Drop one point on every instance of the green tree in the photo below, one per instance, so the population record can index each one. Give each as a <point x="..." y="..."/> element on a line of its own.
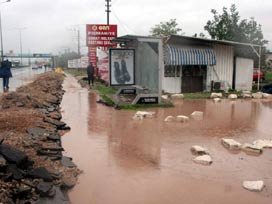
<point x="165" y="29"/>
<point x="62" y="60"/>
<point x="228" y="26"/>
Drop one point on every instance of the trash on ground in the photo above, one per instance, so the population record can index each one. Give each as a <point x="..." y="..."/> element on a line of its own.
<point x="263" y="143"/>
<point x="177" y="96"/>
<point x="258" y="95"/>
<point x="217" y="100"/>
<point x="216" y="95"/>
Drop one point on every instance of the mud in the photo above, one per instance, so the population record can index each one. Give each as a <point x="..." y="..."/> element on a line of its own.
<point x="149" y="161"/>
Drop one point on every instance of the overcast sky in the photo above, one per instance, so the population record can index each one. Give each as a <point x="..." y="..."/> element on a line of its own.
<point x="47" y="25"/>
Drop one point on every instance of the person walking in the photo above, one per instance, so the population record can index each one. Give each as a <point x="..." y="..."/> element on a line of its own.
<point x="90" y="73"/>
<point x="5" y="73"/>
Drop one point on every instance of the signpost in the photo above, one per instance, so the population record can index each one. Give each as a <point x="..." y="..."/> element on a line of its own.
<point x="99" y="35"/>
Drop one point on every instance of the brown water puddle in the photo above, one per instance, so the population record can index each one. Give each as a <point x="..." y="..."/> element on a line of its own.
<point x="149" y="161"/>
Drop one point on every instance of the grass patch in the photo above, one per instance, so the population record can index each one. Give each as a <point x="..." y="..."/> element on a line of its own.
<point x="199" y="95"/>
<point x="104" y="90"/>
<point x="107" y="99"/>
<point x="145" y="106"/>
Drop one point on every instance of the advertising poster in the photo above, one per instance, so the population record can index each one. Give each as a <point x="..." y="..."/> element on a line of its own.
<point x="100" y="35"/>
<point x="103" y="64"/>
<point x="122" y="67"/>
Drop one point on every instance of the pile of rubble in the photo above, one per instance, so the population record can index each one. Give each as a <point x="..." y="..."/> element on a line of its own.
<point x="32" y="167"/>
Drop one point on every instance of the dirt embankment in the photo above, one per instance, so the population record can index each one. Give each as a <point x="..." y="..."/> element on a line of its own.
<point x="32" y="167"/>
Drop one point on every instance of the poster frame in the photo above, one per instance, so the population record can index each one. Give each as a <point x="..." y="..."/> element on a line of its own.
<point x="111" y="50"/>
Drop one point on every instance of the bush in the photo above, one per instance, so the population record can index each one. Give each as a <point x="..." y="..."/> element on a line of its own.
<point x="268" y="76"/>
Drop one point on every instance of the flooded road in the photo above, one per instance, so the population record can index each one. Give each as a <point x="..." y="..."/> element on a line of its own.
<point x="21" y="76"/>
<point x="149" y="161"/>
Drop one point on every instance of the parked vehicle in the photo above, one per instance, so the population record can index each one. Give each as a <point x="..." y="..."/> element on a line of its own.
<point x="256" y="73"/>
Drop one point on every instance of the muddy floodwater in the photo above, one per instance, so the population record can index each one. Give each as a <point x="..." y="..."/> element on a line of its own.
<point x="149" y="161"/>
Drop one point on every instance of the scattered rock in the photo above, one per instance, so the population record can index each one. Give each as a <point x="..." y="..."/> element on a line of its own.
<point x="267" y="96"/>
<point x="216" y="95"/>
<point x="165" y="97"/>
<point x="231" y="144"/>
<point x="68" y="183"/>
<point x="177" y="96"/>
<point x="5" y="106"/>
<point x="169" y="119"/>
<point x="250" y="148"/>
<point x="258" y="95"/>
<point x="53" y="137"/>
<point x="64" y="127"/>
<point x="254" y="185"/>
<point x="55" y="115"/>
<point x="246" y="92"/>
<point x="204" y="160"/>
<point x="59" y="198"/>
<point x="52" y="147"/>
<point x="44" y="188"/>
<point x="198" y="150"/>
<point x="197" y="115"/>
<point x="40" y="173"/>
<point x="217" y="100"/>
<point x="13" y="155"/>
<point x="263" y="143"/>
<point x="182" y="118"/>
<point x="3" y="162"/>
<point x="232" y="96"/>
<point x="36" y="132"/>
<point x="54" y="122"/>
<point x="140" y="115"/>
<point x="20" y="104"/>
<point x="16" y="173"/>
<point x="244" y="95"/>
<point x="67" y="162"/>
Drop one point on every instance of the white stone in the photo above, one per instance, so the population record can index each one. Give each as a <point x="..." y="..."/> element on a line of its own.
<point x="204" y="160"/>
<point x="257" y="95"/>
<point x="140" y="115"/>
<point x="251" y="148"/>
<point x="217" y="100"/>
<point x="198" y="150"/>
<point x="254" y="185"/>
<point x="197" y="115"/>
<point x="178" y="96"/>
<point x="263" y="143"/>
<point x="165" y="97"/>
<point x="266" y="95"/>
<point x="246" y="92"/>
<point x="231" y="144"/>
<point x="169" y="119"/>
<point x="233" y="96"/>
<point x="216" y="95"/>
<point x="246" y="95"/>
<point x="182" y="118"/>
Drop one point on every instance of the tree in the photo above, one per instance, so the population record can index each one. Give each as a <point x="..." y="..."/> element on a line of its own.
<point x="227" y="26"/>
<point x="165" y="28"/>
<point x="62" y="60"/>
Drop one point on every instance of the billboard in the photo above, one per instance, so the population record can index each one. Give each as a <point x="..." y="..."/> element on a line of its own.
<point x="100" y="35"/>
<point x="122" y="67"/>
<point x="92" y="56"/>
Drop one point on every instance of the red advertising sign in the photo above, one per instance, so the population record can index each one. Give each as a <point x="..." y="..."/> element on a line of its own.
<point x="100" y="35"/>
<point x="92" y="56"/>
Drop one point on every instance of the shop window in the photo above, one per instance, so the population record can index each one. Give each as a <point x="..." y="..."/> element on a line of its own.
<point x="172" y="71"/>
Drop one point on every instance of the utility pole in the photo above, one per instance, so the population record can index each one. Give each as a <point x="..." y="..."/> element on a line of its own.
<point x="78" y="42"/>
<point x="108" y="11"/>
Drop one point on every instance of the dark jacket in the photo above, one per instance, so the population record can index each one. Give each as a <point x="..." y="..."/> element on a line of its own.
<point x="90" y="70"/>
<point x="5" y="69"/>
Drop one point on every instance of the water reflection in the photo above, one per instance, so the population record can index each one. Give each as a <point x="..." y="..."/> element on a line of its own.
<point x="149" y="161"/>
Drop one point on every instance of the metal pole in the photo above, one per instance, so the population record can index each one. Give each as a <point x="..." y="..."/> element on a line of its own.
<point x="259" y="71"/>
<point x="2" y="51"/>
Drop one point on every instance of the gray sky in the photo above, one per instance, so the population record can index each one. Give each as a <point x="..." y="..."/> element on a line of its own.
<point x="47" y="25"/>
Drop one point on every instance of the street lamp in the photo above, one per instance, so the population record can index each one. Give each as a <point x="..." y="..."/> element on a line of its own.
<point x="21" y="46"/>
<point x="1" y="34"/>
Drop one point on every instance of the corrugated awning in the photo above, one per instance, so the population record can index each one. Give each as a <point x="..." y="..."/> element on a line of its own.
<point x="189" y="56"/>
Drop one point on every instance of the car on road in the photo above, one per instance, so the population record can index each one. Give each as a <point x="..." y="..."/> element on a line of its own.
<point x="256" y="73"/>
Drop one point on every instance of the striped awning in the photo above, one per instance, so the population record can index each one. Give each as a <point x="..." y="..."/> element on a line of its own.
<point x="189" y="56"/>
